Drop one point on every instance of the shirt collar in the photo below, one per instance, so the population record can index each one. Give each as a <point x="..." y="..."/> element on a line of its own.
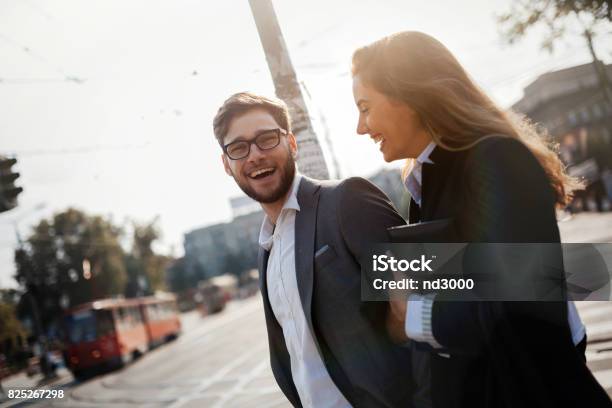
<point x="266" y="233"/>
<point x="414" y="178"/>
<point x="424" y="156"/>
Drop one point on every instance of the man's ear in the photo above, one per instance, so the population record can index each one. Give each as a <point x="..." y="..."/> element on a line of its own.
<point x="292" y="144"/>
<point x="226" y="165"/>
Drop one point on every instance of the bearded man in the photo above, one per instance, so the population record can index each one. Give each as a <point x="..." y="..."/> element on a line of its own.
<point x="328" y="348"/>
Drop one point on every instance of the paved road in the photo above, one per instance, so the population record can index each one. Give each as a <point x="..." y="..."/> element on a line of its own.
<point x="222" y="361"/>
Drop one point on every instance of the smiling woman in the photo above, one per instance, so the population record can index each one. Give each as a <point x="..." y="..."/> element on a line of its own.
<point x="394" y="125"/>
<point x="411" y="90"/>
<point x="490" y="178"/>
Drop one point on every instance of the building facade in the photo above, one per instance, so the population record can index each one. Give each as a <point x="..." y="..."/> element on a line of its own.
<point x="573" y="107"/>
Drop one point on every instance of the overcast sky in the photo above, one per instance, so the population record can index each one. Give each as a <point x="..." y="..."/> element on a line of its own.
<point x="129" y="133"/>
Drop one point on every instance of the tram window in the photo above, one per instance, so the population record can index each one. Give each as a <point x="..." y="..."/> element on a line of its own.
<point x="104" y="323"/>
<point x="81" y="327"/>
<point x="131" y="316"/>
<point x="137" y="315"/>
<point x="155" y="312"/>
<point x="151" y="312"/>
<point x="122" y="318"/>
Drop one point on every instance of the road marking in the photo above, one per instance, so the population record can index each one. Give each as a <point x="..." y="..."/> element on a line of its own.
<point x="591" y="312"/>
<point x="219" y="375"/>
<point x="244" y="380"/>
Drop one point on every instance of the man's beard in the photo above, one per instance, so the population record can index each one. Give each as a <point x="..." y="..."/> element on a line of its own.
<point x="287" y="174"/>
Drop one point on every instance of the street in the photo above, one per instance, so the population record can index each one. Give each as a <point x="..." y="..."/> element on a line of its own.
<point x="222" y="360"/>
<point x="219" y="361"/>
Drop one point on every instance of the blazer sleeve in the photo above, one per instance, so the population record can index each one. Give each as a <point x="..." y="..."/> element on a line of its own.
<point x="507" y="199"/>
<point x="364" y="214"/>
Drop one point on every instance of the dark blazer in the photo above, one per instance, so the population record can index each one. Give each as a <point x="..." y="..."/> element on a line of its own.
<point x="344" y="217"/>
<point x="502" y="354"/>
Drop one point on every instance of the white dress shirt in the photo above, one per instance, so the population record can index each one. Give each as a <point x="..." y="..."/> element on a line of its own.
<point x="418" y="312"/>
<point x="312" y="381"/>
<point x="415" y="178"/>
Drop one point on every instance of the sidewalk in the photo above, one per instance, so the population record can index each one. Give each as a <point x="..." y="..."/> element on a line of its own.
<point x="587" y="227"/>
<point x="592" y="227"/>
<point x="596" y="318"/>
<point x="21" y="381"/>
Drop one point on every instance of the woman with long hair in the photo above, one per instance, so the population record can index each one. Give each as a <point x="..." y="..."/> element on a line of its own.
<point x="498" y="180"/>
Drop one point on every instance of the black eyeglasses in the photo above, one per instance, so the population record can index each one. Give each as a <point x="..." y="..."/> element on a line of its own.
<point x="265" y="140"/>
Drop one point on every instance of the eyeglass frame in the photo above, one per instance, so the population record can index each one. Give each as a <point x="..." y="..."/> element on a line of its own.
<point x="279" y="132"/>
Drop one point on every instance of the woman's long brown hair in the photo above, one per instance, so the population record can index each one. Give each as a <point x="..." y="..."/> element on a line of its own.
<point x="416" y="69"/>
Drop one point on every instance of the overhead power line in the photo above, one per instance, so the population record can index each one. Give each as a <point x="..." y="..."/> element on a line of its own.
<point x="35" y="55"/>
<point x="31" y="81"/>
<point x="78" y="150"/>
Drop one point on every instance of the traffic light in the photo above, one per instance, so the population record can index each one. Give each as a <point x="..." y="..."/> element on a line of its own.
<point x="8" y="190"/>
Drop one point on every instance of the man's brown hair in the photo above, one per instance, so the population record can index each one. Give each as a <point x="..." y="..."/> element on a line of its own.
<point x="242" y="102"/>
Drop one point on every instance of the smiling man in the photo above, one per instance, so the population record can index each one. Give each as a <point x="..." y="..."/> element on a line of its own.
<point x="327" y="347"/>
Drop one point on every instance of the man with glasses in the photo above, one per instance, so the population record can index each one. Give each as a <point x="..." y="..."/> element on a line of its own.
<point x="327" y="348"/>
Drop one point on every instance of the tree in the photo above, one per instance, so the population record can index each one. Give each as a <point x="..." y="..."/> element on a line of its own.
<point x="556" y="16"/>
<point x="12" y="334"/>
<point x="10" y="296"/>
<point x="137" y="283"/>
<point x="177" y="277"/>
<point x="146" y="269"/>
<point x="69" y="259"/>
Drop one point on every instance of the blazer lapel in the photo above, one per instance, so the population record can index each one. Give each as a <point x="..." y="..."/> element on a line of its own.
<point x="429" y="188"/>
<point x="434" y="178"/>
<point x="305" y="229"/>
<point x="414" y="212"/>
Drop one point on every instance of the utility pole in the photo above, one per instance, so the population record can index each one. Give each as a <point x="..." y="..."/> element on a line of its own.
<point x="311" y="161"/>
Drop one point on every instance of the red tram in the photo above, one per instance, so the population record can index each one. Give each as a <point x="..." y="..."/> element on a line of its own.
<point x="111" y="332"/>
